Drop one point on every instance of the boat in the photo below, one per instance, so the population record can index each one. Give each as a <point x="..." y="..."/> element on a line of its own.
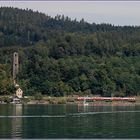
<point x="16" y="101"/>
<point x="85" y="103"/>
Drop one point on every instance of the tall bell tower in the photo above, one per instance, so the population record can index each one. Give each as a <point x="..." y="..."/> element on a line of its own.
<point x="15" y="66"/>
<point x="19" y="91"/>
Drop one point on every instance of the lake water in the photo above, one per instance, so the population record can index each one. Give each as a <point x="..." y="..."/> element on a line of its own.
<point x="69" y="121"/>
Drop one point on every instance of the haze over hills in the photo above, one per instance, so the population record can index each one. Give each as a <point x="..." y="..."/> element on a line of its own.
<point x="60" y="56"/>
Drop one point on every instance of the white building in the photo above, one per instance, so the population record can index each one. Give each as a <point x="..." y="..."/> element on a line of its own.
<point x="19" y="93"/>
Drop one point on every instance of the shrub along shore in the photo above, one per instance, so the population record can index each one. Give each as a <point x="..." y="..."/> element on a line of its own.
<point x="39" y="99"/>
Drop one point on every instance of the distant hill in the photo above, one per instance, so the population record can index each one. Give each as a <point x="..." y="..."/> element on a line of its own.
<point x="26" y="28"/>
<point x="60" y="56"/>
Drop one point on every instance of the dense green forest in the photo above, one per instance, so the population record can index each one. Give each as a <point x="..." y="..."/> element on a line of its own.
<point x="60" y="56"/>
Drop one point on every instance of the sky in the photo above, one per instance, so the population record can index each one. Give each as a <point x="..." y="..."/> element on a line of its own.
<point x="114" y="12"/>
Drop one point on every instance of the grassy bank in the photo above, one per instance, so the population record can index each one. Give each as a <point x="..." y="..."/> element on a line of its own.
<point x="39" y="99"/>
<point x="52" y="100"/>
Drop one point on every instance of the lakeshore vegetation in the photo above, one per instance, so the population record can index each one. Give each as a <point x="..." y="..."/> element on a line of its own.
<point x="61" y="57"/>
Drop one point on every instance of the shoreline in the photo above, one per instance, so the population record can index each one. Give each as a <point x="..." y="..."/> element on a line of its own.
<point x="79" y="104"/>
<point x="73" y="100"/>
<point x="47" y="100"/>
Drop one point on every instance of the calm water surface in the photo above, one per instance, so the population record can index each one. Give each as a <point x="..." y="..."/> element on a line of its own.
<point x="69" y="121"/>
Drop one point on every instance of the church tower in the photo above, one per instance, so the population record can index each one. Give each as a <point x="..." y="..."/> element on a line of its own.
<point x="15" y="66"/>
<point x="19" y="91"/>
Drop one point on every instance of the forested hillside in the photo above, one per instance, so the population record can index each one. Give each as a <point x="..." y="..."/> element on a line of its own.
<point x="60" y="56"/>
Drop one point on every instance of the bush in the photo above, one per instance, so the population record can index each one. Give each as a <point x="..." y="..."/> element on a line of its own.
<point x="62" y="101"/>
<point x="118" y="94"/>
<point x="25" y="100"/>
<point x="70" y="99"/>
<point x="6" y="99"/>
<point x="38" y="96"/>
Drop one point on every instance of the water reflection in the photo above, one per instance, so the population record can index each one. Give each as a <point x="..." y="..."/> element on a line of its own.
<point x="16" y="122"/>
<point x="100" y="107"/>
<point x="69" y="121"/>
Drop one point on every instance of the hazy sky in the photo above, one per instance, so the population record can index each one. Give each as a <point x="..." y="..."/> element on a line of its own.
<point x="114" y="12"/>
